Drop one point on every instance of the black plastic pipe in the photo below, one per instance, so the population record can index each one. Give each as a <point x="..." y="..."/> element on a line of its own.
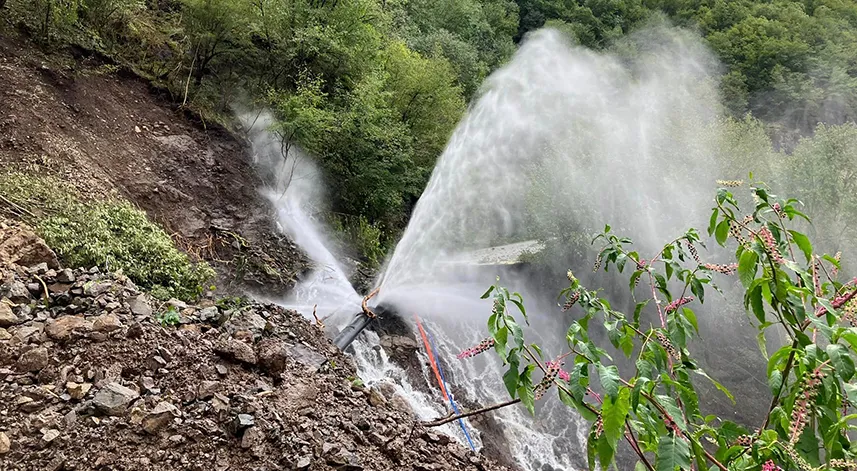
<point x="352" y="330"/>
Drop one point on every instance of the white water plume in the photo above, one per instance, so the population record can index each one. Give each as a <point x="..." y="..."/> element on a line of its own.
<point x="560" y="133"/>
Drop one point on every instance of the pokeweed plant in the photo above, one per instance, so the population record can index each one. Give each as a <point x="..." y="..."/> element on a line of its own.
<point x="656" y="410"/>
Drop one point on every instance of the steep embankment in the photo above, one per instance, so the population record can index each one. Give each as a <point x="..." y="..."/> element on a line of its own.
<point x="94" y="374"/>
<point x="76" y="117"/>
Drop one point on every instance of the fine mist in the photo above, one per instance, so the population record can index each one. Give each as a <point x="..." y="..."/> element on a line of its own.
<point x="562" y="140"/>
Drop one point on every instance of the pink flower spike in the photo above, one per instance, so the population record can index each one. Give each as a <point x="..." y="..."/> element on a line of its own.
<point x="677" y="304"/>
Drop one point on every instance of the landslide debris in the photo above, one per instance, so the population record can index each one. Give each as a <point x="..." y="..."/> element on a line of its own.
<point x="93" y="375"/>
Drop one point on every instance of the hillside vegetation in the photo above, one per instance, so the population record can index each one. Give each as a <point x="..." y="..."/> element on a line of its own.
<point x="375" y="87"/>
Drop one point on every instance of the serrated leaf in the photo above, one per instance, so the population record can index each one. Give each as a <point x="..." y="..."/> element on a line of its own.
<point x="609" y="378"/>
<point x="673" y="452"/>
<point x="747" y="267"/>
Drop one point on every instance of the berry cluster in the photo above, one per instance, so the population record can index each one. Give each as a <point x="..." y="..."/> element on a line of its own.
<point x="473" y="351"/>
<point x="570" y="301"/>
<point x="668" y="346"/>
<point x="725" y="269"/>
<point x="843" y="464"/>
<point x="771" y="244"/>
<point x="730" y="183"/>
<point x="744" y="440"/>
<point x="677" y="304"/>
<point x="597" y="263"/>
<point x="735" y="232"/>
<point x="563" y="375"/>
<point x="553" y="368"/>
<point x="800" y="413"/>
<point x="770" y="466"/>
<point x="692" y="251"/>
<point x="599" y="426"/>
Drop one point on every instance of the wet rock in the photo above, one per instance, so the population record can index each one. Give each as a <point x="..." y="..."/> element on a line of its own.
<point x="64" y="327"/>
<point x="236" y="350"/>
<point x="140" y="306"/>
<point x="33" y="360"/>
<point x="114" y="399"/>
<point x="376" y="398"/>
<point x="310" y="359"/>
<point x="106" y="323"/>
<point x="160" y="417"/>
<point x="7" y="317"/>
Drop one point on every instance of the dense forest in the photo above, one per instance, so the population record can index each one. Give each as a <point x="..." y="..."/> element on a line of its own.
<point x="374" y="88"/>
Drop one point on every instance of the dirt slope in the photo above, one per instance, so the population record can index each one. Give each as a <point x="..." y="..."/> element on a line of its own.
<point x="77" y="117"/>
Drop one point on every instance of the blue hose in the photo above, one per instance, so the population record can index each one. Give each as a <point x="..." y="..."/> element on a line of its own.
<point x="449" y="393"/>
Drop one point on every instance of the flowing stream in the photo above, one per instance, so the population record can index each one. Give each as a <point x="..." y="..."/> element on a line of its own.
<point x="560" y="137"/>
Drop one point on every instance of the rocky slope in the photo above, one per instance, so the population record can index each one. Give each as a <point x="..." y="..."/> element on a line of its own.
<point x="96" y="375"/>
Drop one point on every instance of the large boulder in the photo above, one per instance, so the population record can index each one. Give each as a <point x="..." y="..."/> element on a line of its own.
<point x="64" y="327"/>
<point x="21" y="246"/>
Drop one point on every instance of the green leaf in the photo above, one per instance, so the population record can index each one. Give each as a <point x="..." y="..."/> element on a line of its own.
<point x="803" y="243"/>
<point x="487" y="293"/>
<point x="841" y="361"/>
<point x="691" y="317"/>
<point x="570" y="401"/>
<point x="763" y="343"/>
<point x="525" y="389"/>
<point x="605" y="452"/>
<point x="717" y="385"/>
<point x="500" y="339"/>
<point x="613" y="415"/>
<point x="697" y="289"/>
<point x="722" y="232"/>
<point x="510" y="379"/>
<point x="609" y="378"/>
<point x="756" y="303"/>
<point x="747" y="267"/>
<point x="712" y="222"/>
<point x="673" y="452"/>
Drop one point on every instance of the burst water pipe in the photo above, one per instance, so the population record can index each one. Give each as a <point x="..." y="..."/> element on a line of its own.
<point x="360" y="322"/>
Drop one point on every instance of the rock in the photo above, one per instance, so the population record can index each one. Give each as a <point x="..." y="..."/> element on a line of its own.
<point x="16" y="292"/>
<point x="33" y="360"/>
<point x="114" y="399"/>
<point x="159" y="417"/>
<point x="207" y="389"/>
<point x="399" y="341"/>
<point x="65" y="276"/>
<point x="64" y="327"/>
<point x="147" y="383"/>
<point x="5" y="444"/>
<point x="106" y="323"/>
<point x="253" y="436"/>
<point x="246" y="320"/>
<point x="310" y="359"/>
<point x="176" y="304"/>
<point x="236" y="350"/>
<point x="20" y="245"/>
<point x="241" y="423"/>
<point x="273" y="355"/>
<point x="49" y="435"/>
<point x="212" y="315"/>
<point x="376" y="398"/>
<point x="25" y="334"/>
<point x="99" y="288"/>
<point x="135" y="330"/>
<point x="77" y="390"/>
<point x="7" y="317"/>
<point x="140" y="306"/>
<point x="304" y="462"/>
<point x="4" y="334"/>
<point x="221" y="370"/>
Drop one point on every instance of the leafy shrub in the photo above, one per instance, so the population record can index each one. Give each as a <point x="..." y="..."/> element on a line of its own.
<point x="109" y="233"/>
<point x="787" y="287"/>
<point x="364" y="236"/>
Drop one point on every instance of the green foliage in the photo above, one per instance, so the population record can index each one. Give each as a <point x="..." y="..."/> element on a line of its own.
<point x="655" y="408"/>
<point x="111" y="233"/>
<point x="169" y="318"/>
